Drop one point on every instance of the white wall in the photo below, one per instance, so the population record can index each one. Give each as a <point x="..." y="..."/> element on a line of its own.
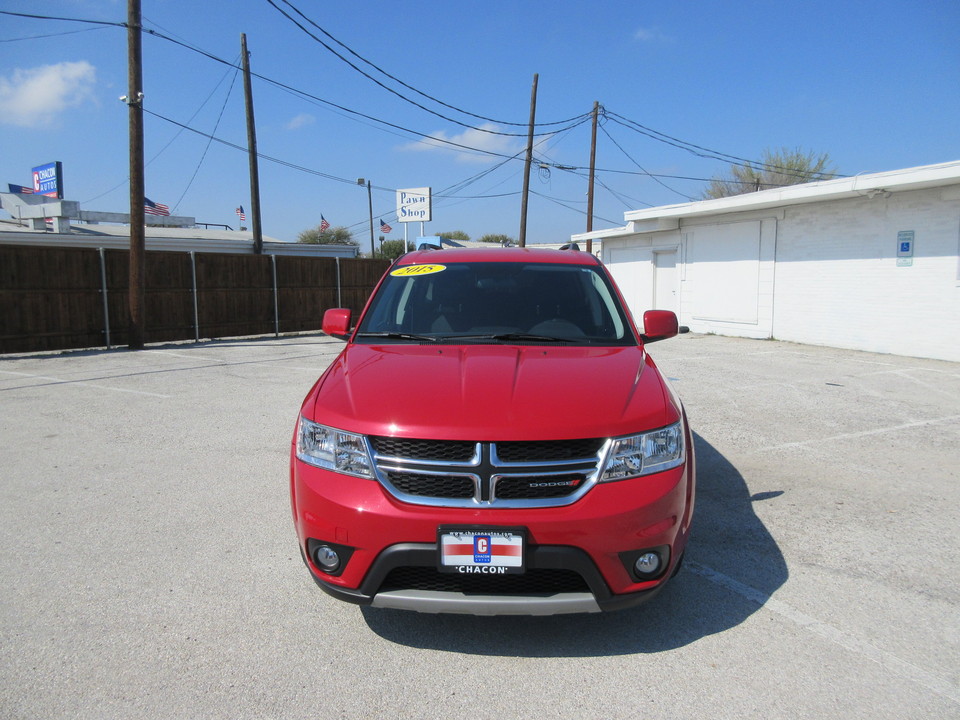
<point x="821" y="273"/>
<point x="838" y="282"/>
<point x="729" y="277"/>
<point x="632" y="262"/>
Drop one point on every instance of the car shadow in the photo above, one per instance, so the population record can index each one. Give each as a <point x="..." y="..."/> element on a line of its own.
<point x="732" y="566"/>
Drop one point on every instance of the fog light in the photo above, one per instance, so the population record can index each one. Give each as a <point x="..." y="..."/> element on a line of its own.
<point x="647" y="564"/>
<point x="326" y="558"/>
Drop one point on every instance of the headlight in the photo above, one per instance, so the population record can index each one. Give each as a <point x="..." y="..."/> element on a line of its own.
<point x="333" y="449"/>
<point x="644" y="454"/>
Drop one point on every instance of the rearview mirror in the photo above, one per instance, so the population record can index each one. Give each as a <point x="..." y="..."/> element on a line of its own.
<point x="336" y="322"/>
<point x="659" y="325"/>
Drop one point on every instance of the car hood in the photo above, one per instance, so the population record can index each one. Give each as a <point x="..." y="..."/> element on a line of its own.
<point x="491" y="392"/>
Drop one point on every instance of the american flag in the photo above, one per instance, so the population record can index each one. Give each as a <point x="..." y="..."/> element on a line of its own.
<point x="242" y="214"/>
<point x="152" y="208"/>
<point x="20" y="189"/>
<point x="384" y="228"/>
<point x="324" y="225"/>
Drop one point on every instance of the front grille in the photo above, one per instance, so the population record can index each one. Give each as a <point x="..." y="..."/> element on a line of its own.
<point x="531" y="488"/>
<point x="504" y="474"/>
<point x="548" y="450"/>
<point x="437" y="450"/>
<point x="438" y="486"/>
<point x="532" y="582"/>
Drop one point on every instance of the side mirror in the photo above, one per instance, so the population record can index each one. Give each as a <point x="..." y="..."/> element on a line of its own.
<point x="336" y="322"/>
<point x="659" y="325"/>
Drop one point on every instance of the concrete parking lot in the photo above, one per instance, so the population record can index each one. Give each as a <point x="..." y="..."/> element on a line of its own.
<point x="150" y="567"/>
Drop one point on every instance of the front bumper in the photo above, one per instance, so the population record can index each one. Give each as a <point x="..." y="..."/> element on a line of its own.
<point x="586" y="544"/>
<point x="377" y="591"/>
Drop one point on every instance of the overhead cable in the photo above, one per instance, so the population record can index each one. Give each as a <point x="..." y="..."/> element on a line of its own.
<point x="644" y="170"/>
<point x="401" y="82"/>
<point x="343" y="108"/>
<point x="216" y="125"/>
<point x="394" y="92"/>
<point x="704" y="152"/>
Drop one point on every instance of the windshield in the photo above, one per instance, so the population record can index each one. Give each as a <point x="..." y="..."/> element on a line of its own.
<point x="522" y="302"/>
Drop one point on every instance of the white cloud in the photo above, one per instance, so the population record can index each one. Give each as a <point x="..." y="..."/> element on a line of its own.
<point x="652" y="34"/>
<point x="37" y="96"/>
<point x="475" y="139"/>
<point x="300" y="121"/>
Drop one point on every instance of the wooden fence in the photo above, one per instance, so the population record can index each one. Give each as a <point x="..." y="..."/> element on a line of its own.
<point x="54" y="298"/>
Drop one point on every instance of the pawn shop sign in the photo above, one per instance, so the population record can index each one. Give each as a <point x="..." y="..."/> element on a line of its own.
<point x="413" y="205"/>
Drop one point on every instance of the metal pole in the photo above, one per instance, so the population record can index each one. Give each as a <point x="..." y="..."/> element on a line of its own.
<point x="138" y="248"/>
<point x="526" y="165"/>
<point x="103" y="289"/>
<point x="361" y="181"/>
<point x="370" y="206"/>
<point x="196" y="313"/>
<point x="276" y="305"/>
<point x="339" y="301"/>
<point x="252" y="150"/>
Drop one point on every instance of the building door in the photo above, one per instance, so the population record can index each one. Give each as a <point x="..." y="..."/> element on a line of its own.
<point x="665" y="286"/>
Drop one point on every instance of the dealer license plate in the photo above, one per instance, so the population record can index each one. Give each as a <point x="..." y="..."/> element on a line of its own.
<point x="481" y="551"/>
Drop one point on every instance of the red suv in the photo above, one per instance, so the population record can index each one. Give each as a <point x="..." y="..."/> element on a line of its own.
<point x="493" y="439"/>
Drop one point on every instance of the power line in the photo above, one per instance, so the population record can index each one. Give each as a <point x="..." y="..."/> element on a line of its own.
<point x="652" y="177"/>
<point x="68" y="19"/>
<point x="342" y="108"/>
<point x="209" y="140"/>
<point x="242" y="149"/>
<point x="389" y="89"/>
<point x="657" y="135"/>
<point x="50" y="35"/>
<point x="563" y="204"/>
<point x="575" y="122"/>
<point x="398" y="80"/>
<point x="704" y="152"/>
<point x="168" y="144"/>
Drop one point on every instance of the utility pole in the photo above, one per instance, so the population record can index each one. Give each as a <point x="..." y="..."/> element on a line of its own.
<point x="252" y="150"/>
<point x="361" y="181"/>
<point x="593" y="171"/>
<point x="526" y="166"/>
<point x="134" y="101"/>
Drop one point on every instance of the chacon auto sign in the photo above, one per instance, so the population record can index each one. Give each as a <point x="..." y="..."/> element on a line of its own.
<point x="48" y="180"/>
<point x="413" y="205"/>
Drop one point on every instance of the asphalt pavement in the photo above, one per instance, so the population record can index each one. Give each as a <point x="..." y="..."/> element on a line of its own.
<point x="150" y="568"/>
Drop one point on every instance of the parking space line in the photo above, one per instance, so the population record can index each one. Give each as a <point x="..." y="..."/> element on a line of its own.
<point x="211" y="365"/>
<point x="60" y="381"/>
<point x="887" y="660"/>
<point x="184" y="355"/>
<point x="862" y="433"/>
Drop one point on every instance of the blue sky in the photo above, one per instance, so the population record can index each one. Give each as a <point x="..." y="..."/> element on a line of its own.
<point x="872" y="84"/>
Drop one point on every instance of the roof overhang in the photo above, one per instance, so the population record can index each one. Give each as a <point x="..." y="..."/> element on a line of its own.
<point x="669" y="217"/>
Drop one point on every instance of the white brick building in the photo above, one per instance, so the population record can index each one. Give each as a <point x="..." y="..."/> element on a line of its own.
<point x="870" y="262"/>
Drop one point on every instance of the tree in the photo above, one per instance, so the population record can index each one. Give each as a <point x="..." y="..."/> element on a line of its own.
<point x="391" y="249"/>
<point x="498" y="239"/>
<point x="330" y="236"/>
<point x="455" y="235"/>
<point x="778" y="168"/>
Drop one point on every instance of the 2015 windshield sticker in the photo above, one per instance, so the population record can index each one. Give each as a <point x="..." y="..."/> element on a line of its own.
<point x="416" y="270"/>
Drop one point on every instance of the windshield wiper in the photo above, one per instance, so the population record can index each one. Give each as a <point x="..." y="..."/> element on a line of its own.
<point x="511" y="337"/>
<point x="398" y="336"/>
